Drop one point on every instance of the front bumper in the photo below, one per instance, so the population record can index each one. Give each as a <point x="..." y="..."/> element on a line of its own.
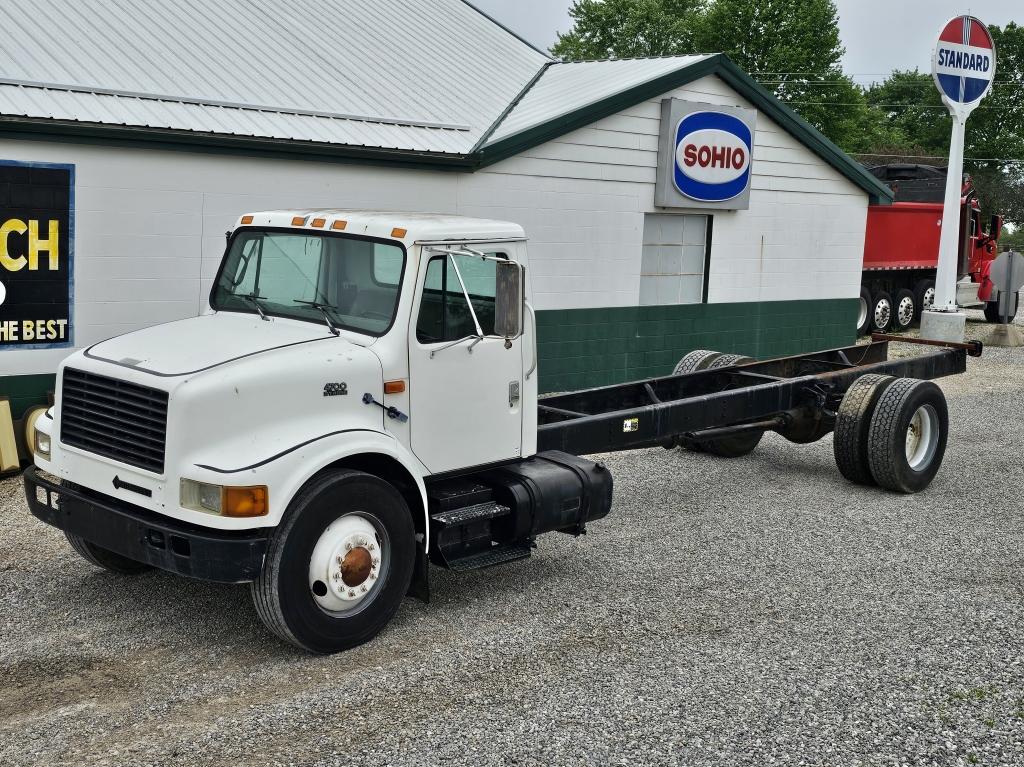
<point x="139" y="534"/>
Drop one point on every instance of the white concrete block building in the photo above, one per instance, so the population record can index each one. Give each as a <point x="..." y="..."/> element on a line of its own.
<point x="167" y="124"/>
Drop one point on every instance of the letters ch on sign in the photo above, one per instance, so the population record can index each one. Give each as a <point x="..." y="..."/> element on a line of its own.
<point x="36" y="245"/>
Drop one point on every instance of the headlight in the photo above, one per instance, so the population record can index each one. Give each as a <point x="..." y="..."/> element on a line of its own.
<point x="42" y="444"/>
<point x="226" y="501"/>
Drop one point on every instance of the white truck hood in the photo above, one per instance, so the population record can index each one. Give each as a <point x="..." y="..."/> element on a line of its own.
<point x="200" y="343"/>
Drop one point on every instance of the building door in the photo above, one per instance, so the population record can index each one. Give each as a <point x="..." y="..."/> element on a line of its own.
<point x="464" y="389"/>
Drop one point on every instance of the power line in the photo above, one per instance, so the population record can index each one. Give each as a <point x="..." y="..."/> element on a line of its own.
<point x="1006" y="160"/>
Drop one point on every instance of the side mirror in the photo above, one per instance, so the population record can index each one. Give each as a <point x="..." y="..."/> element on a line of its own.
<point x="508" y="299"/>
<point x="995" y="228"/>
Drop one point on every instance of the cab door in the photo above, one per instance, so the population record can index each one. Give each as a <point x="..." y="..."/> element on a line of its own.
<point x="465" y="383"/>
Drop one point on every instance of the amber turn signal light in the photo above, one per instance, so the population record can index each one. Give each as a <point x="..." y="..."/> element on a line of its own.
<point x="319" y="222"/>
<point x="394" y="387"/>
<point x="246" y="219"/>
<point x="298" y="221"/>
<point x="339" y="224"/>
<point x="245" y="502"/>
<point x="398" y="232"/>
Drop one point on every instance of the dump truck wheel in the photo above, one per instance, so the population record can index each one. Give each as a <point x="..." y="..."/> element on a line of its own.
<point x="853" y="422"/>
<point x="904" y="311"/>
<point x="907" y="437"/>
<point x="105" y="559"/>
<point x="339" y="564"/>
<point x="728" y="360"/>
<point x="863" y="311"/>
<point x="699" y="359"/>
<point x="924" y="296"/>
<point x="992" y="313"/>
<point x="881" y="312"/>
<point x="733" y="447"/>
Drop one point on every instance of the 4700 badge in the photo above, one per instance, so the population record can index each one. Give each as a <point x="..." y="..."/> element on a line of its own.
<point x="36" y="255"/>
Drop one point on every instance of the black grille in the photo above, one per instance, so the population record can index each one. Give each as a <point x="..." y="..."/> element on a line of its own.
<point x="113" y="418"/>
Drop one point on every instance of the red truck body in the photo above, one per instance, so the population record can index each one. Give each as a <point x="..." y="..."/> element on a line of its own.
<point x="901" y="250"/>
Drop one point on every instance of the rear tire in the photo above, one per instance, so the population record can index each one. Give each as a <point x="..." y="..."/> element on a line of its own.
<point x="853" y="422"/>
<point x="908" y="434"/>
<point x="104" y="558"/>
<point x="328" y="614"/>
<point x="698" y="359"/>
<point x="905" y="311"/>
<point x="924" y="296"/>
<point x="863" y="311"/>
<point x="728" y="360"/>
<point x="880" y="319"/>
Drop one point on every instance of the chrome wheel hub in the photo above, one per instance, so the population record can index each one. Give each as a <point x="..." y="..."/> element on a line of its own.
<point x="905" y="311"/>
<point x="922" y="437"/>
<point x="348" y="564"/>
<point x="883" y="311"/>
<point x="928" y="299"/>
<point x="862" y="313"/>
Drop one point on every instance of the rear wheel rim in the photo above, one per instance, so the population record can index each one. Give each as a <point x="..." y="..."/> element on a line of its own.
<point x="349" y="564"/>
<point x="922" y="437"/>
<point x="883" y="311"/>
<point x="928" y="299"/>
<point x="905" y="311"/>
<point x="862" y="314"/>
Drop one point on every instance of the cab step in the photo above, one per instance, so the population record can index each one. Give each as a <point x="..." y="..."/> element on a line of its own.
<point x="496" y="555"/>
<point x="468" y="514"/>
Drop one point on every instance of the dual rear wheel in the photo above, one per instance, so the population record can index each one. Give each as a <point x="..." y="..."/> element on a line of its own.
<point x="891" y="432"/>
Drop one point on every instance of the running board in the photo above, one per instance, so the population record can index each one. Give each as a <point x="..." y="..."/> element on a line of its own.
<point x="495" y="556"/>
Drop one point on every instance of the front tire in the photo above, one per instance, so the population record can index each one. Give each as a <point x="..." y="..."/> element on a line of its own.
<point x="339" y="565"/>
<point x="994" y="315"/>
<point x="104" y="558"/>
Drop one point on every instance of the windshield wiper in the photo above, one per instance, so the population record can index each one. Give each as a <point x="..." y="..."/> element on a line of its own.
<point x="251" y="298"/>
<point x="323" y="308"/>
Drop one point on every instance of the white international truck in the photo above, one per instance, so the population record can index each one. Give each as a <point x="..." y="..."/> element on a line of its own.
<point x="362" y="400"/>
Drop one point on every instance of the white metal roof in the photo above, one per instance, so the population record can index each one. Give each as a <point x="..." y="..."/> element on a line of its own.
<point x="401" y="74"/>
<point x="566" y="86"/>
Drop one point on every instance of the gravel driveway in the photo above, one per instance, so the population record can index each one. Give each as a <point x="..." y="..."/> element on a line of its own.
<point x="758" y="611"/>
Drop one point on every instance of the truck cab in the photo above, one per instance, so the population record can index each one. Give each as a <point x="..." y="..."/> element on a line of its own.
<point x="356" y="373"/>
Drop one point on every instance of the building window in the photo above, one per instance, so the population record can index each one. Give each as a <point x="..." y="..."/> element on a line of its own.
<point x="674" y="264"/>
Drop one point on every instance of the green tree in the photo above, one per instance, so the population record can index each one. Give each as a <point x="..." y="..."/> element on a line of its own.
<point x="791" y="46"/>
<point x="619" y="29"/>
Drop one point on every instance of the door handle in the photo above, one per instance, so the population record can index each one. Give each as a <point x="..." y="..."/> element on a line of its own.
<point x="513" y="393"/>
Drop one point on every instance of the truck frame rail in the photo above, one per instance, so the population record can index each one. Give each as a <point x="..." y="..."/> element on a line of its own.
<point x="759" y="396"/>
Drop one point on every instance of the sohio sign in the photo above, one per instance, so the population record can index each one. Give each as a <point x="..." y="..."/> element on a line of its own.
<point x="705" y="158"/>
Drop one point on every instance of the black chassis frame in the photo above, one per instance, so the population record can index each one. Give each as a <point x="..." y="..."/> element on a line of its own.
<point x="775" y="394"/>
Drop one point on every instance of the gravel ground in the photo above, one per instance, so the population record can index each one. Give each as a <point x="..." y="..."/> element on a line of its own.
<point x="758" y="611"/>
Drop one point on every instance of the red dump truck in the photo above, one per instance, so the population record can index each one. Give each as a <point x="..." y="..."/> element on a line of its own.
<point x="901" y="251"/>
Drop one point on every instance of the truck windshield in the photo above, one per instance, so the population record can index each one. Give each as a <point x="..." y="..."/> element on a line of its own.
<point x="304" y="275"/>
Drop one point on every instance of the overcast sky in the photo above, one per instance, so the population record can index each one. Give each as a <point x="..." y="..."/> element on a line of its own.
<point x="879" y="35"/>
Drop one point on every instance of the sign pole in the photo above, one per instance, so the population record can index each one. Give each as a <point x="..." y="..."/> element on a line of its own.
<point x="963" y="66"/>
<point x="949" y="240"/>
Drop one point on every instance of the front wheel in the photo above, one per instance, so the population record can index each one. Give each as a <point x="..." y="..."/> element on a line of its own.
<point x="339" y="565"/>
<point x="994" y="312"/>
<point x="104" y="558"/>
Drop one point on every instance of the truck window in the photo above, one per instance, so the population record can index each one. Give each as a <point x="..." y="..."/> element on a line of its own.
<point x="444" y="314"/>
<point x="356" y="280"/>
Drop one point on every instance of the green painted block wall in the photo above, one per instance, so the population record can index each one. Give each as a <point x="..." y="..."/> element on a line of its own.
<point x="583" y="348"/>
<point x="26" y="391"/>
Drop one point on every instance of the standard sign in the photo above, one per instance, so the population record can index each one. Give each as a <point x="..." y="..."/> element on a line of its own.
<point x="964" y="63"/>
<point x="705" y="156"/>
